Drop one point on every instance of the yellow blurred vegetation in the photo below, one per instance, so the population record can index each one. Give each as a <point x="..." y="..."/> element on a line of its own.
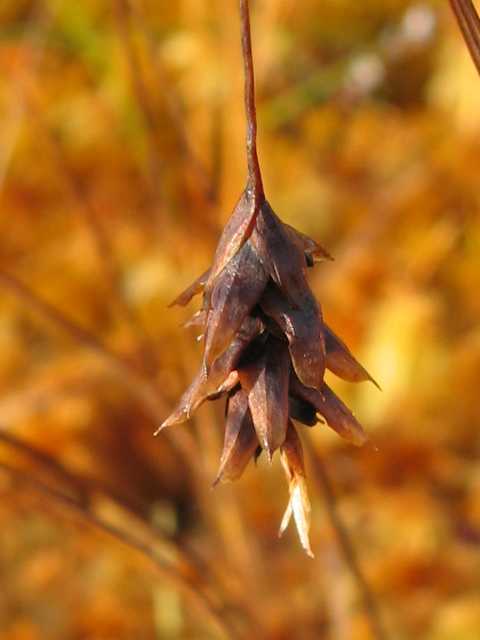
<point x="121" y="156"/>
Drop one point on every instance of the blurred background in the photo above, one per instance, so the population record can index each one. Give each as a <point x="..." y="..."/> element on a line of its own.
<point x="121" y="156"/>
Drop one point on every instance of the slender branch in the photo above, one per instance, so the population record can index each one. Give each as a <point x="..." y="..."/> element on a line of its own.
<point x="368" y="598"/>
<point x="469" y="24"/>
<point x="254" y="176"/>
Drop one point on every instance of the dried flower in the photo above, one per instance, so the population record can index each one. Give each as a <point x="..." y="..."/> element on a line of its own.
<point x="266" y="347"/>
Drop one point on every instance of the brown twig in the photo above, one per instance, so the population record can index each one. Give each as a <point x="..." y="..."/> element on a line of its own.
<point x="348" y="550"/>
<point x="469" y="24"/>
<point x="254" y="180"/>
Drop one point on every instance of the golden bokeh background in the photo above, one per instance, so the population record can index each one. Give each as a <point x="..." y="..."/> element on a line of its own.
<point x="121" y="156"/>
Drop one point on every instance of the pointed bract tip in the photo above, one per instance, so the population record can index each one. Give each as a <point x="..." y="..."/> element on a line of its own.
<point x="160" y="428"/>
<point x="302" y="522"/>
<point x="357" y="437"/>
<point x="269" y="455"/>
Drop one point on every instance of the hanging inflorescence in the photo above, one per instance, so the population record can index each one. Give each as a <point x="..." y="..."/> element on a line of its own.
<point x="266" y="345"/>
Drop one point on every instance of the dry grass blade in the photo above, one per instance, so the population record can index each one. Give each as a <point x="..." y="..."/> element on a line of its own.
<point x="155" y="160"/>
<point x="16" y="107"/>
<point x="110" y="268"/>
<point x="135" y="382"/>
<point x="369" y="601"/>
<point x="469" y="24"/>
<point x="173" y="105"/>
<point x="178" y="572"/>
<point x="136" y="110"/>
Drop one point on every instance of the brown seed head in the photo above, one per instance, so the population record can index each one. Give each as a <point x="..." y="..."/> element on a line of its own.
<point x="266" y="348"/>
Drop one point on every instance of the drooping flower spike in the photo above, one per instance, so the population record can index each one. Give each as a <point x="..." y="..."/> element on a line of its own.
<point x="266" y="345"/>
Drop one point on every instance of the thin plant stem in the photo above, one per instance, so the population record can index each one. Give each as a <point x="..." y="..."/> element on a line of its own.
<point x="138" y="384"/>
<point x="154" y="170"/>
<point x="126" y="19"/>
<point x="254" y="179"/>
<point x="469" y="24"/>
<point x="81" y="486"/>
<point x="235" y="538"/>
<point x="111" y="271"/>
<point x="346" y="545"/>
<point x="195" y="594"/>
<point x="173" y="106"/>
<point x="85" y="490"/>
<point x="36" y="31"/>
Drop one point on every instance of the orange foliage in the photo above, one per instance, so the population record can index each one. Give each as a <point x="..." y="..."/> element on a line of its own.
<point x="121" y="156"/>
